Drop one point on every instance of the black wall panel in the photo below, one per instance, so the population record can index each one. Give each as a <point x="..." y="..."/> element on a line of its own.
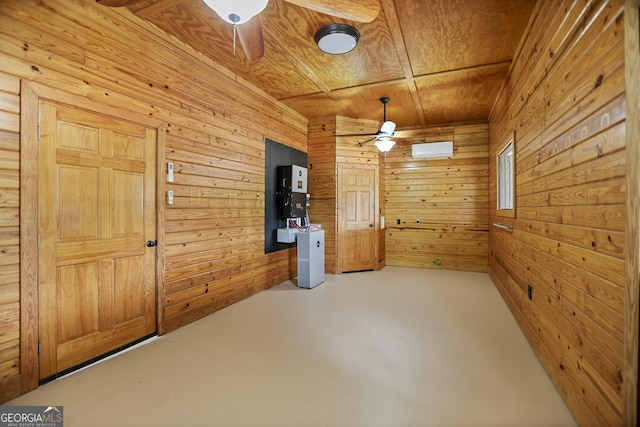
<point x="276" y="155"/>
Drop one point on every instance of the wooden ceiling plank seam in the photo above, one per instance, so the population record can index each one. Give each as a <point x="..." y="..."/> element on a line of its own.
<point x="337" y="96"/>
<point x="348" y="88"/>
<point x="396" y="35"/>
<point x="415" y="96"/>
<point x="480" y="67"/>
<point x="401" y="49"/>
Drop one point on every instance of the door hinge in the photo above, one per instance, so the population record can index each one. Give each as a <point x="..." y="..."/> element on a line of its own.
<point x="39" y="132"/>
<point x="39" y="347"/>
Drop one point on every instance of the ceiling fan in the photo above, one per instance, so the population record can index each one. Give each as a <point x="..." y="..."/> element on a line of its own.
<point x="383" y="137"/>
<point x="244" y="15"/>
<point x="386" y="136"/>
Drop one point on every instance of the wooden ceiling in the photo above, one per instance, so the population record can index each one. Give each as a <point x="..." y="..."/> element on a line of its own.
<point x="440" y="61"/>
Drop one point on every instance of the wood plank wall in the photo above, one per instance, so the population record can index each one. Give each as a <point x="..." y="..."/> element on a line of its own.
<point x="448" y="196"/>
<point x="9" y="236"/>
<point x="212" y="237"/>
<point x="565" y="100"/>
<point x="326" y="151"/>
<point x="323" y="185"/>
<point x="630" y="395"/>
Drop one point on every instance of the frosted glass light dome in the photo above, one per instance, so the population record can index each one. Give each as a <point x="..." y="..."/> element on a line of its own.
<point x="384" y="144"/>
<point x="237" y="11"/>
<point x="337" y="39"/>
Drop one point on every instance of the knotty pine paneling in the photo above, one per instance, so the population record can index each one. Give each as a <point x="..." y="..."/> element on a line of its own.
<point x="564" y="99"/>
<point x="212" y="126"/>
<point x="326" y="149"/>
<point x="450" y="199"/>
<point x="323" y="185"/>
<point x="9" y="237"/>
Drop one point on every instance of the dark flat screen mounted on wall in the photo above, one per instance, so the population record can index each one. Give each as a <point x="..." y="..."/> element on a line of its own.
<point x="277" y="154"/>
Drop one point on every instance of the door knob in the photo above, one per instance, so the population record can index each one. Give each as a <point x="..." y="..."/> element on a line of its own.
<point x="151" y="243"/>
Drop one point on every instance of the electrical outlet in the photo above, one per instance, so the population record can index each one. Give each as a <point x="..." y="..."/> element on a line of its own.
<point x="398" y="221"/>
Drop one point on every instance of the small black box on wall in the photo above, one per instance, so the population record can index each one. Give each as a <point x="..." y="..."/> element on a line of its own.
<point x="292" y="191"/>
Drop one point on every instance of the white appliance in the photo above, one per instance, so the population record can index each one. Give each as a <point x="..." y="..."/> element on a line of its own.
<point x="432" y="150"/>
<point x="310" y="258"/>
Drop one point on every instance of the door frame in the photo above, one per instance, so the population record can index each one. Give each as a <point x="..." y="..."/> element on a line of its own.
<point x="376" y="208"/>
<point x="31" y="95"/>
<point x="630" y="395"/>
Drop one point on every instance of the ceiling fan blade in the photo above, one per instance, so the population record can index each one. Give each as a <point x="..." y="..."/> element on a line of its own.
<point x="252" y="38"/>
<point x="352" y="135"/>
<point x="354" y="10"/>
<point x="116" y="3"/>
<point x="360" y="144"/>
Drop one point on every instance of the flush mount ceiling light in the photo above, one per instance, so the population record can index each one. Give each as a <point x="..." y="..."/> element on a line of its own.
<point x="384" y="144"/>
<point x="337" y="39"/>
<point x="238" y="11"/>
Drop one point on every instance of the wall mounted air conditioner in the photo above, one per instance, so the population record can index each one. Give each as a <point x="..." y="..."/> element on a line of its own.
<point x="432" y="150"/>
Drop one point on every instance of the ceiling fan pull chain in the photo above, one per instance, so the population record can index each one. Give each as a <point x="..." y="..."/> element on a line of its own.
<point x="234" y="39"/>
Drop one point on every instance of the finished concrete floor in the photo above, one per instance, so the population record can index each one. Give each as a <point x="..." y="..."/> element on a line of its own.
<point x="398" y="347"/>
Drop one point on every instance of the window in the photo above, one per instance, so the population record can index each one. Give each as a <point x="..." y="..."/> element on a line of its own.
<point x="506" y="180"/>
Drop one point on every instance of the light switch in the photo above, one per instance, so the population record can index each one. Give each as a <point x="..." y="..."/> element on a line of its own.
<point x="170" y="172"/>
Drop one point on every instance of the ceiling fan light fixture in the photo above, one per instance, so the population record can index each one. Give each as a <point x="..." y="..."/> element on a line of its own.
<point x="238" y="11"/>
<point x="388" y="128"/>
<point x="384" y="144"/>
<point x="337" y="39"/>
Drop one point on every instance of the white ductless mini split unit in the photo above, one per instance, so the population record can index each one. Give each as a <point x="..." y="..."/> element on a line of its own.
<point x="432" y="150"/>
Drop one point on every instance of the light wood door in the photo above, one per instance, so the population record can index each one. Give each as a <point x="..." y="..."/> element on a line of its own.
<point x="356" y="213"/>
<point x="96" y="210"/>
